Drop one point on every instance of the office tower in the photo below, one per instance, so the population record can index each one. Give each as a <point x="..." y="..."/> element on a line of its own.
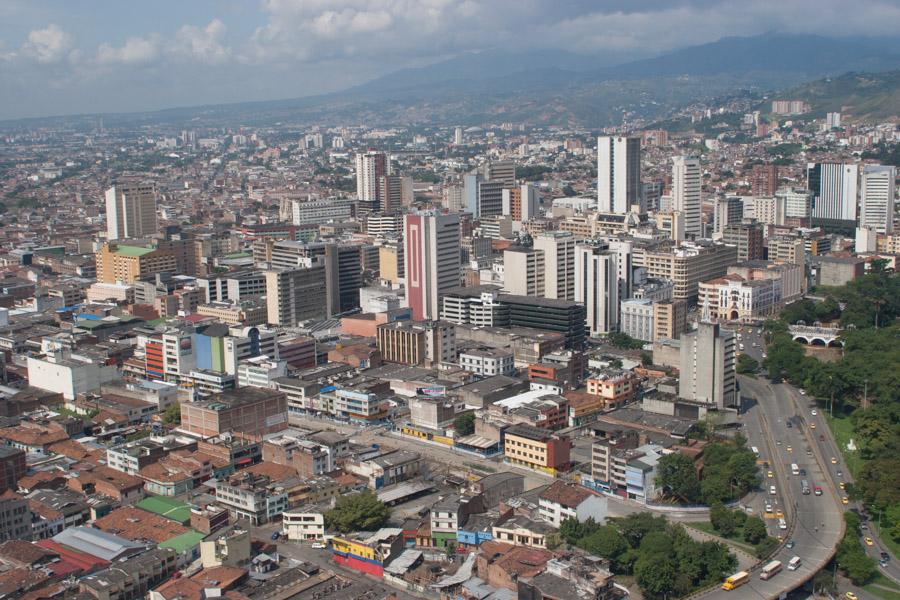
<point x="483" y="197"/>
<point x="394" y="191"/>
<point x="726" y="211"/>
<point x="618" y="173"/>
<point x="454" y="198"/>
<point x="651" y="193"/>
<point x="748" y="237"/>
<point x="296" y="295"/>
<point x="458" y="136"/>
<point x="707" y="366"/>
<point x="687" y="265"/>
<point x="686" y="190"/>
<point x="523" y="270"/>
<point x="503" y="171"/>
<point x="431" y="261"/>
<point x="370" y="168"/>
<point x="521" y="202"/>
<point x="625" y="265"/>
<point x="597" y="286"/>
<point x="877" y="198"/>
<point x="770" y="211"/>
<point x="764" y="179"/>
<point x="343" y="277"/>
<point x="669" y="319"/>
<point x="797" y="203"/>
<point x="130" y="210"/>
<point x="559" y="263"/>
<point x="834" y="194"/>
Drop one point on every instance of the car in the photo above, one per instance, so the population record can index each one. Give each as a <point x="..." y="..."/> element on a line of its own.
<point x="803" y="393"/>
<point x="789" y="424"/>
<point x="869" y="541"/>
<point x="812" y="425"/>
<point x="883" y="563"/>
<point x="318" y="546"/>
<point x="833" y="460"/>
<point x="768" y="507"/>
<point x="766" y="464"/>
<point x="845" y="500"/>
<point x="275" y="535"/>
<point x="863" y="526"/>
<point x="821" y="437"/>
<point x="814" y="412"/>
<point x="789" y="449"/>
<point x="777" y="442"/>
<point x="885" y="556"/>
<point x="842" y="485"/>
<point x="772" y="491"/>
<point x="790" y="544"/>
<point x="851" y="596"/>
<point x="802" y="472"/>
<point x="840" y="473"/>
<point x="770" y="474"/>
<point x="764" y="355"/>
<point x="818" y="490"/>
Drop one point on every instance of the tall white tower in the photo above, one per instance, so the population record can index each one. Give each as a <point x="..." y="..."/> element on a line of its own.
<point x="130" y="210"/>
<point x="597" y="286"/>
<point x="618" y="173"/>
<point x="686" y="189"/>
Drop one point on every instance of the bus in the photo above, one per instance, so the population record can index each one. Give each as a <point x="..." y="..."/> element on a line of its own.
<point x="795" y="469"/>
<point x="794" y="564"/>
<point x="770" y="570"/>
<point x="804" y="487"/>
<point x="736" y="581"/>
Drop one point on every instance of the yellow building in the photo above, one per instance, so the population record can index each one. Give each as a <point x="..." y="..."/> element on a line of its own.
<point x="390" y="262"/>
<point x="536" y="448"/>
<point x="128" y="264"/>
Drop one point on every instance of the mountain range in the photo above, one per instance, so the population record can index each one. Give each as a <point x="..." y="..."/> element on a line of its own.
<point x="556" y="87"/>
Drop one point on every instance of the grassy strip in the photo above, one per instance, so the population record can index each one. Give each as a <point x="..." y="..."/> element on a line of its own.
<point x="706" y="527"/>
<point x="877" y="585"/>
<point x="842" y="430"/>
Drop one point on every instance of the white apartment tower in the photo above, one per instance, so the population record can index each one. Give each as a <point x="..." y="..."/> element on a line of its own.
<point x="877" y="198"/>
<point x="597" y="286"/>
<point x="130" y="210"/>
<point x="559" y="263"/>
<point x="431" y="261"/>
<point x="834" y="189"/>
<point x="370" y="168"/>
<point x="618" y="173"/>
<point x="686" y="190"/>
<point x="707" y="365"/>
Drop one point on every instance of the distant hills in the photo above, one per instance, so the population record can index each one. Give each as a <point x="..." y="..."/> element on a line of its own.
<point x="555" y="87"/>
<point x="859" y="96"/>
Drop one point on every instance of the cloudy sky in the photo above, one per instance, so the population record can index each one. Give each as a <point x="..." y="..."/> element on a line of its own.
<point x="85" y="56"/>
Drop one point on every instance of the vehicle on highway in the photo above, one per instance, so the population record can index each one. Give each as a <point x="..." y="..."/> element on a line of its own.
<point x="770" y="474"/>
<point x="772" y="490"/>
<point x="736" y="581"/>
<point x="840" y="473"/>
<point x="790" y="544"/>
<point x="804" y="487"/>
<point x="802" y="392"/>
<point x="782" y="524"/>
<point x="755" y="450"/>
<point x="821" y="437"/>
<point x="790" y="449"/>
<point x="814" y="412"/>
<point x="833" y="460"/>
<point x="770" y="570"/>
<point x="318" y="546"/>
<point x="789" y="424"/>
<point x="794" y="563"/>
<point x="276" y="535"/>
<point x="845" y="500"/>
<point x="768" y="507"/>
<point x="851" y="596"/>
<point x="802" y="472"/>
<point x="795" y="470"/>
<point x="869" y="541"/>
<point x="818" y="490"/>
<point x="885" y="556"/>
<point x="842" y="485"/>
<point x="812" y="425"/>
<point x="764" y="355"/>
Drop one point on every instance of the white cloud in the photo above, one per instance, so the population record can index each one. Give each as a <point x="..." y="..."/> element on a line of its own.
<point x="135" y="51"/>
<point x="203" y="44"/>
<point x="48" y="45"/>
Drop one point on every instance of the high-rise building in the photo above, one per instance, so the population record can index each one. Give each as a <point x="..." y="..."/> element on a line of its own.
<point x="370" y="168"/>
<point x="118" y="263"/>
<point x="618" y="174"/>
<point x="524" y="271"/>
<point x="458" y="136"/>
<point x="130" y="210"/>
<point x="669" y="319"/>
<point x="764" y="179"/>
<point x="834" y="189"/>
<point x="431" y="261"/>
<point x="454" y="198"/>
<point x="748" y="237"/>
<point x="559" y="263"/>
<point x="686" y="193"/>
<point x="295" y="295"/>
<point x="877" y="198"/>
<point x="394" y="191"/>
<point x="343" y="277"/>
<point x="727" y="211"/>
<point x="483" y="197"/>
<point x="797" y="203"/>
<point x="503" y="171"/>
<point x="707" y="372"/>
<point x="597" y="286"/>
<point x="521" y="202"/>
<point x="687" y="265"/>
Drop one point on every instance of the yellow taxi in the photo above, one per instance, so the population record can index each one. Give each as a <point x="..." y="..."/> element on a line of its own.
<point x="790" y="449"/>
<point x="842" y="485"/>
<point x="770" y="474"/>
<point x="851" y="596"/>
<point x="812" y="425"/>
<point x="869" y="541"/>
<point x="833" y="460"/>
<point x="845" y="500"/>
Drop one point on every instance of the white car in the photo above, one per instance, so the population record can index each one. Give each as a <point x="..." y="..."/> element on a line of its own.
<point x="318" y="546"/>
<point x="802" y="392"/>
<point x="814" y="412"/>
<point x="772" y="491"/>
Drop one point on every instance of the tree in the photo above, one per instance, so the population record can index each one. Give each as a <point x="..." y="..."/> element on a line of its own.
<point x="646" y="359"/>
<point x="172" y="414"/>
<point x="624" y="341"/>
<point x="677" y="476"/>
<point x="553" y="540"/>
<point x="606" y="542"/>
<point x="656" y="576"/>
<point x="746" y="364"/>
<point x="722" y="520"/>
<point x="754" y="530"/>
<point x="357" y="512"/>
<point x="464" y="423"/>
<point x="823" y="583"/>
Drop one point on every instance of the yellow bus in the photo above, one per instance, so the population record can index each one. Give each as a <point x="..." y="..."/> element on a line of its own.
<point x="770" y="570"/>
<point x="736" y="581"/>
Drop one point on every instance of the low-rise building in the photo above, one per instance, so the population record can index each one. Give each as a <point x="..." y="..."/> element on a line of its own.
<point x="536" y="448"/>
<point x="385" y="469"/>
<point x="252" y="497"/>
<point x="564" y="500"/>
<point x="304" y="524"/>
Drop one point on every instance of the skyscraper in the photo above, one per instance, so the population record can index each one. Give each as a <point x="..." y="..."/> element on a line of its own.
<point x="764" y="179"/>
<point x="370" y="168"/>
<point x="521" y="202"/>
<point x="618" y="173"/>
<point x="130" y="210"/>
<point x="559" y="263"/>
<point x="877" y="198"/>
<point x="503" y="171"/>
<point x="483" y="197"/>
<point x="597" y="286"/>
<point x="834" y="188"/>
<point x="686" y="190"/>
<point x="727" y="211"/>
<point x="295" y="295"/>
<point x="707" y="372"/>
<point x="458" y="136"/>
<point x="394" y="191"/>
<point x="524" y="269"/>
<point x="432" y="262"/>
<point x="343" y="277"/>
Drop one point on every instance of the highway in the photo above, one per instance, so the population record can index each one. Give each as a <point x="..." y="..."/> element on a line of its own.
<point x="815" y="523"/>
